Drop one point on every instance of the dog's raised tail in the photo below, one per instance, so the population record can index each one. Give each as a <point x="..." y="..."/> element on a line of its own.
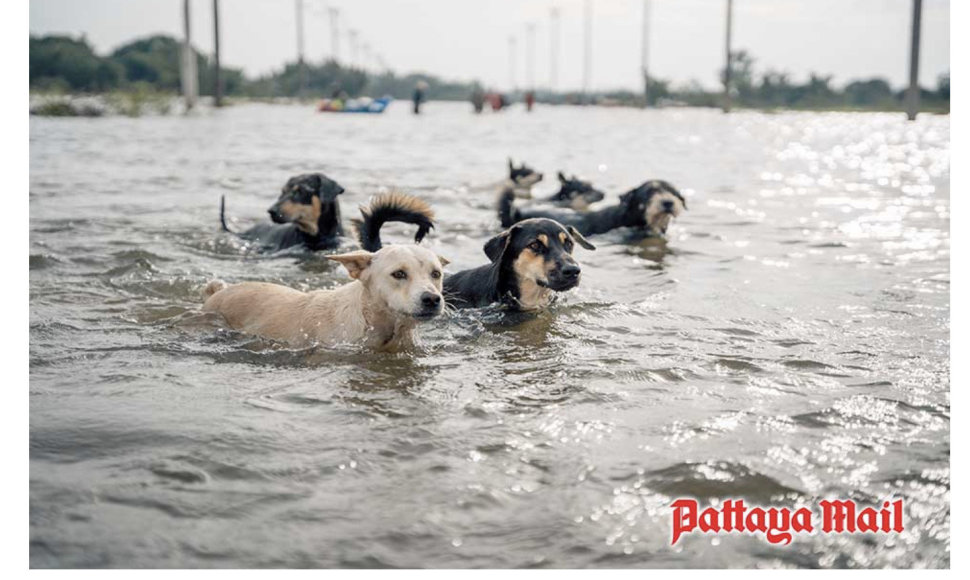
<point x="212" y="287"/>
<point x="392" y="207"/>
<point x="222" y="214"/>
<point x="507" y="212"/>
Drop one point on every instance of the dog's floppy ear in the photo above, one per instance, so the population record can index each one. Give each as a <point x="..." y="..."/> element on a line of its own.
<point x="355" y="262"/>
<point x="579" y="239"/>
<point x="495" y="247"/>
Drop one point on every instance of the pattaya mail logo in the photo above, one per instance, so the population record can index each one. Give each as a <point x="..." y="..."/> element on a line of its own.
<point x="778" y="524"/>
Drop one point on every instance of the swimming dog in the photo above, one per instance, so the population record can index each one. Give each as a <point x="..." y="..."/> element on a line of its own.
<point x="521" y="179"/>
<point x="575" y="193"/>
<point x="306" y="214"/>
<point x="529" y="262"/>
<point x="649" y="208"/>
<point x="393" y="290"/>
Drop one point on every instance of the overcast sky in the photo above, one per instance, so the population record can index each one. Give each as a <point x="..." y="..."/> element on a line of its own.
<point x="469" y="39"/>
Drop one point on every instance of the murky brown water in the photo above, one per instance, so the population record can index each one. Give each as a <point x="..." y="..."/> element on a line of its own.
<point x="790" y="342"/>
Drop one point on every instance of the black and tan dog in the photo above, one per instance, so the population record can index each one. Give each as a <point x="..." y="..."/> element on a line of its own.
<point x="529" y="262"/>
<point x="649" y="208"/>
<point x="521" y="179"/>
<point x="575" y="193"/>
<point x="306" y="214"/>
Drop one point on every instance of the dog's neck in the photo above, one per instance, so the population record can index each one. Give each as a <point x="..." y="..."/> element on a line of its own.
<point x="328" y="224"/>
<point x="517" y="187"/>
<point x="532" y="296"/>
<point x="521" y="294"/>
<point x="386" y="329"/>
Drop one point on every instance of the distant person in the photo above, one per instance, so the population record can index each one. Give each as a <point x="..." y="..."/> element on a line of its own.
<point x="418" y="97"/>
<point x="495" y="100"/>
<point x="530" y="100"/>
<point x="478" y="98"/>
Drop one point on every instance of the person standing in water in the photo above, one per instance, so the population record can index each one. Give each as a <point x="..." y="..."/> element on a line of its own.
<point x="419" y="96"/>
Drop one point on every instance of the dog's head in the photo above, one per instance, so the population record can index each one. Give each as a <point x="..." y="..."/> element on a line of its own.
<point x="653" y="204"/>
<point x="576" y="193"/>
<point x="404" y="279"/>
<point x="304" y="199"/>
<point x="539" y="251"/>
<point x="523" y="176"/>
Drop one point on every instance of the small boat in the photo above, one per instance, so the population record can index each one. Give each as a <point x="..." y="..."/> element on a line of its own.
<point x="359" y="105"/>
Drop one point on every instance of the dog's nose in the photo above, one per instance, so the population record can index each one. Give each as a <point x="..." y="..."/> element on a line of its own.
<point x="429" y="300"/>
<point x="571" y="271"/>
<point x="668" y="205"/>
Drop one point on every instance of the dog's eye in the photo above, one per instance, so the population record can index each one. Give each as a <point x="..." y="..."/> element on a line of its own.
<point x="537" y="247"/>
<point x="399" y="275"/>
<point x="435" y="274"/>
<point x="569" y="247"/>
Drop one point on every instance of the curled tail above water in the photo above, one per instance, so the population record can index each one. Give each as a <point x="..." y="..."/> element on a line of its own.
<point x="506" y="208"/>
<point x="222" y="214"/>
<point x="212" y="287"/>
<point x="392" y="207"/>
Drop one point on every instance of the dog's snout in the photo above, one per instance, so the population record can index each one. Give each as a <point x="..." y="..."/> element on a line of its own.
<point x="429" y="300"/>
<point x="276" y="215"/>
<point x="571" y="271"/>
<point x="668" y="205"/>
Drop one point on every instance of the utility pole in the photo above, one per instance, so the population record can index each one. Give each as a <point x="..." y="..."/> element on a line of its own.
<point x="215" y="34"/>
<point x="299" y="46"/>
<point x="352" y="38"/>
<point x="912" y="94"/>
<point x="588" y="46"/>
<point x="512" y="86"/>
<point x="334" y="34"/>
<point x="727" y="51"/>
<point x="530" y="56"/>
<point x="645" y="53"/>
<point x="190" y="74"/>
<point x="553" y="49"/>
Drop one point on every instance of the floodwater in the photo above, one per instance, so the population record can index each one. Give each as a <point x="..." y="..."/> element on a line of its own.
<point x="788" y="343"/>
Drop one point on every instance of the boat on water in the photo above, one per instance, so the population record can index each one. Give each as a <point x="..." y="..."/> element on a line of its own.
<point x="358" y="105"/>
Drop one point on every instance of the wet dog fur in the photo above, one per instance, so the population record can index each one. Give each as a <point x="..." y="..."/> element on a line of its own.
<point x="528" y="264"/>
<point x="521" y="179"/>
<point x="649" y="208"/>
<point x="575" y="193"/>
<point x="306" y="214"/>
<point x="392" y="207"/>
<point x="392" y="290"/>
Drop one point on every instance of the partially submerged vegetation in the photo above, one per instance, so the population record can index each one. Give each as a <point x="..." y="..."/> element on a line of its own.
<point x="142" y="77"/>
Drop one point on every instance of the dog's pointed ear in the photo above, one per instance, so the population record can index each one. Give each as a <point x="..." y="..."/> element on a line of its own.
<point x="495" y="247"/>
<point x="579" y="239"/>
<point x="562" y="178"/>
<point x="511" y="166"/>
<point x="355" y="262"/>
<point x="444" y="261"/>
<point x="626" y="197"/>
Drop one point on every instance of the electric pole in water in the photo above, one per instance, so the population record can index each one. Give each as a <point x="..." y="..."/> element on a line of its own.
<point x="553" y="49"/>
<point x="530" y="56"/>
<point x="215" y="34"/>
<point x="645" y="53"/>
<point x="912" y="94"/>
<point x="727" y="51"/>
<point x="512" y="63"/>
<point x="190" y="75"/>
<point x="588" y="46"/>
<point x="334" y="34"/>
<point x="299" y="46"/>
<point x="352" y="38"/>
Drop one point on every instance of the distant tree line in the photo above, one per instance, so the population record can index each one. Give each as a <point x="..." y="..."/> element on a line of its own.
<point x="65" y="64"/>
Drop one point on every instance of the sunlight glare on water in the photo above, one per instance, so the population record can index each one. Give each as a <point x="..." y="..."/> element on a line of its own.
<point x="789" y="342"/>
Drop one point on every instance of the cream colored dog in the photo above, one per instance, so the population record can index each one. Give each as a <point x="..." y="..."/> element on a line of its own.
<point x="393" y="289"/>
